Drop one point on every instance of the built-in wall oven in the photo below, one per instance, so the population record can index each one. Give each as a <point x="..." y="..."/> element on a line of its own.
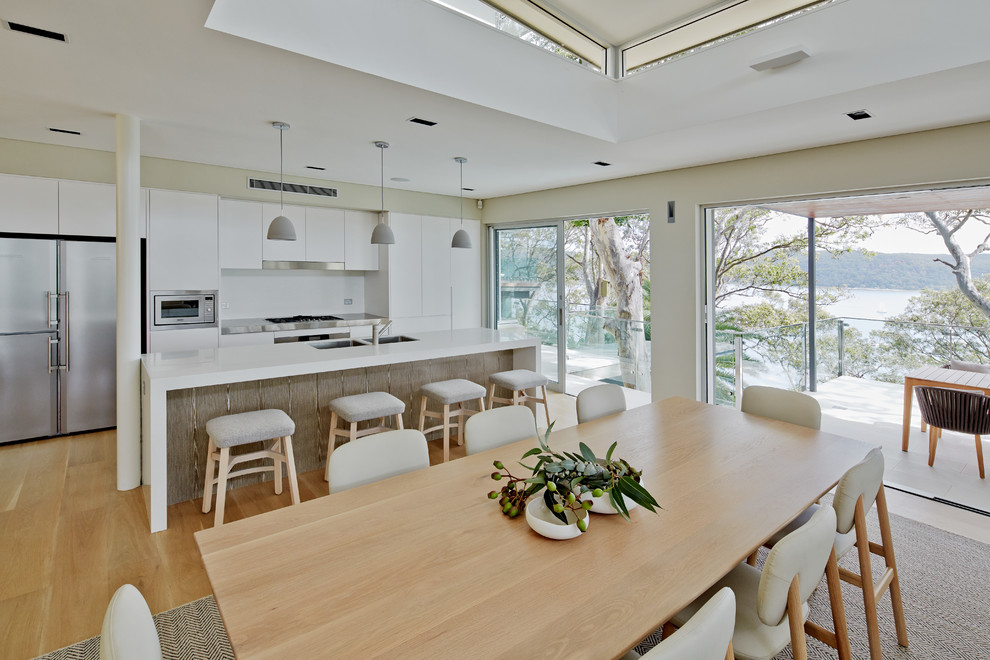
<point x="183" y="309"/>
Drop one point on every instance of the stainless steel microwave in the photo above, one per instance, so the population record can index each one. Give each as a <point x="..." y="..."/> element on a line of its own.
<point x="183" y="309"/>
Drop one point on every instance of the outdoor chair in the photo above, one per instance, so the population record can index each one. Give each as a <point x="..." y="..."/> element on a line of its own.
<point x="962" y="411"/>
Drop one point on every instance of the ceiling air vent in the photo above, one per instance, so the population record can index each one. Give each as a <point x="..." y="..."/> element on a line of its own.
<point x="298" y="188"/>
<point x="424" y="122"/>
<point x="38" y="32"/>
<point x="856" y="115"/>
<point x="601" y="163"/>
<point x="64" y="130"/>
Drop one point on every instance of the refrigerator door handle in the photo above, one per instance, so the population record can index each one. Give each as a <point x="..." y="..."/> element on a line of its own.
<point x="52" y="355"/>
<point x="66" y="334"/>
<point x="52" y="320"/>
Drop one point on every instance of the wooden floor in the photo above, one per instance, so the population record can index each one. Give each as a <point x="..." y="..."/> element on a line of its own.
<point x="69" y="538"/>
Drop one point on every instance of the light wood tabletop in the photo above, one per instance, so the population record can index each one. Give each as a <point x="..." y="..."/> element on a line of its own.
<point x="424" y="565"/>
<point x="938" y="377"/>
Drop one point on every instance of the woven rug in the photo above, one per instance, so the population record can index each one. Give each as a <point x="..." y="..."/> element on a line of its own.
<point x="945" y="585"/>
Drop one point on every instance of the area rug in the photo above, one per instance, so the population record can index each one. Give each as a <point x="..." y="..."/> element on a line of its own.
<point x="945" y="584"/>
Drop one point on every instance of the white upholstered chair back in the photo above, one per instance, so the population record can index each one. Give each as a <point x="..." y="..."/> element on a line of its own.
<point x="861" y="480"/>
<point x="376" y="457"/>
<point x="498" y="426"/>
<point x="599" y="401"/>
<point x="802" y="553"/>
<point x="128" y="628"/>
<point x="783" y="405"/>
<point x="705" y="636"/>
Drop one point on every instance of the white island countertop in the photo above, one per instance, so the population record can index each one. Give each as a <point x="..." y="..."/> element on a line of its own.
<point x="182" y="369"/>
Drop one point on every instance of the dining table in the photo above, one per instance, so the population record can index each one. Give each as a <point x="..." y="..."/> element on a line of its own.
<point x="938" y="377"/>
<point x="425" y="565"/>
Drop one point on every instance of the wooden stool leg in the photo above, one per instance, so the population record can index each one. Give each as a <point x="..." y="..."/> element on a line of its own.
<point x="481" y="405"/>
<point x="730" y="654"/>
<point x="515" y="397"/>
<point x="546" y="404"/>
<point x="888" y="555"/>
<point x="491" y="396"/>
<point x="459" y="423"/>
<point x="979" y="456"/>
<point x="838" y="608"/>
<point x="398" y="421"/>
<point x="932" y="445"/>
<point x="751" y="560"/>
<point x="277" y="447"/>
<point x="799" y="643"/>
<point x="211" y="466"/>
<point x="353" y="434"/>
<point x="290" y="467"/>
<point x="222" y="486"/>
<point x="422" y="413"/>
<point x="866" y="576"/>
<point x="330" y="443"/>
<point x="446" y="432"/>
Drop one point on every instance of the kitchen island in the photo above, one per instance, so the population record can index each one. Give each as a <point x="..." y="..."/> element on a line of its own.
<point x="181" y="391"/>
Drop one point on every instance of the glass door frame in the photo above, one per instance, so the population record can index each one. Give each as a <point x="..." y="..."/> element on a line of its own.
<point x="560" y="384"/>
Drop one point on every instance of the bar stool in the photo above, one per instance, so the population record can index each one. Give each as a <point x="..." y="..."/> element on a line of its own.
<point x="360" y="408"/>
<point x="447" y="393"/>
<point x="518" y="381"/>
<point x="242" y="429"/>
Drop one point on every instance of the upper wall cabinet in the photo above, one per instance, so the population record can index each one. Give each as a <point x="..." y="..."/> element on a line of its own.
<point x="284" y="250"/>
<point x="359" y="253"/>
<point x="465" y="277"/>
<point x="405" y="266"/>
<point x="241" y="234"/>
<point x="436" y="266"/>
<point x="182" y="241"/>
<point x="325" y="235"/>
<point x="87" y="209"/>
<point x="28" y="205"/>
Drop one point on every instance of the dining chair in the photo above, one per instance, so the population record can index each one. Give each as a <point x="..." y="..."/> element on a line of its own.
<point x="962" y="411"/>
<point x="128" y="628"/>
<point x="600" y="401"/>
<point x="782" y="405"/>
<point x="858" y="489"/>
<point x="706" y="636"/>
<point x="498" y="426"/>
<point x="376" y="457"/>
<point x="772" y="604"/>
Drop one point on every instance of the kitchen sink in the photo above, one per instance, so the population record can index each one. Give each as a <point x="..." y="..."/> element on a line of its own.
<point x="338" y="343"/>
<point x="395" y="339"/>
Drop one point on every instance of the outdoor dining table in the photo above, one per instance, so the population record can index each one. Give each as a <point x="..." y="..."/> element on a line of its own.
<point x="424" y="565"/>
<point x="938" y="377"/>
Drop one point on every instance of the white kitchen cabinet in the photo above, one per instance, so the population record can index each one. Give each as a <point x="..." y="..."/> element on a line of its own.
<point x="28" y="205"/>
<point x="284" y="250"/>
<point x="182" y="241"/>
<point x="465" y="276"/>
<point x="405" y="266"/>
<point x="186" y="339"/>
<point x="240" y="234"/>
<point x="325" y="235"/>
<point x="436" y="266"/>
<point x="359" y="253"/>
<point x="247" y="339"/>
<point x="87" y="209"/>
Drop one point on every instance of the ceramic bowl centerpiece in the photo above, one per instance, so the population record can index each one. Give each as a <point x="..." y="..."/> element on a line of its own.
<point x="572" y="484"/>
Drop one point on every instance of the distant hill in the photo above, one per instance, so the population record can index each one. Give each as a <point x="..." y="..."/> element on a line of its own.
<point x="891" y="271"/>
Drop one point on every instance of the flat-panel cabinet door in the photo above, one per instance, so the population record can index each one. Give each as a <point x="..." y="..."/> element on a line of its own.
<point x="248" y="339"/>
<point x="240" y="234"/>
<point x="465" y="277"/>
<point x="359" y="253"/>
<point x="28" y="205"/>
<point x="436" y="266"/>
<point x="405" y="267"/>
<point x="284" y="250"/>
<point x="325" y="235"/>
<point x="87" y="209"/>
<point x="182" y="241"/>
<point x="164" y="341"/>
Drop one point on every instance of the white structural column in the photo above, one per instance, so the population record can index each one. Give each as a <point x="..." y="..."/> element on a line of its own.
<point x="129" y="218"/>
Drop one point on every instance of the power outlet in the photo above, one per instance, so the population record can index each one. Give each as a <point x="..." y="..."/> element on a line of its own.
<point x="224" y="305"/>
<point x="348" y="301"/>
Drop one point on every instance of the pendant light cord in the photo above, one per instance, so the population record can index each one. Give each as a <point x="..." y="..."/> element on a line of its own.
<point x="281" y="172"/>
<point x="382" y="149"/>
<point x="462" y="193"/>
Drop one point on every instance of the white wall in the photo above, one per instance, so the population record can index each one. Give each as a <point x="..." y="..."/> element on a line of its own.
<point x="265" y="293"/>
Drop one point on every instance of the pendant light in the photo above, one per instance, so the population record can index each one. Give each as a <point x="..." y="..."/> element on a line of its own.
<point x="461" y="238"/>
<point x="281" y="228"/>
<point x="382" y="234"/>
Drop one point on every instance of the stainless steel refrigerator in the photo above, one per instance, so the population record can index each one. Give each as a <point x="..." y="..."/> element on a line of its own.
<point x="57" y="337"/>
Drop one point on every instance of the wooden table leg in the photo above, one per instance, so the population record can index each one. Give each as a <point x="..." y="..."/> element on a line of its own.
<point x="908" y="394"/>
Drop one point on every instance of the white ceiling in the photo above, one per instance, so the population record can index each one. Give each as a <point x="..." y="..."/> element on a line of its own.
<point x="525" y="119"/>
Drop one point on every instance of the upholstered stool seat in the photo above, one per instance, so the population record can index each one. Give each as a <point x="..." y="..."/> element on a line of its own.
<point x="241" y="429"/>
<point x="449" y="393"/>
<point x="360" y="408"/>
<point x="518" y="381"/>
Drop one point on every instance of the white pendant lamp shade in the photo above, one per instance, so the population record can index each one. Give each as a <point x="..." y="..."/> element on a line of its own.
<point x="281" y="228"/>
<point x="382" y="233"/>
<point x="461" y="239"/>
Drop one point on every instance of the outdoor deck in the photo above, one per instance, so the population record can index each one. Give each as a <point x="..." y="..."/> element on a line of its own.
<point x="871" y="411"/>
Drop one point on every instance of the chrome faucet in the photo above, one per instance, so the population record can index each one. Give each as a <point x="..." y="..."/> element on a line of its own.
<point x="378" y="329"/>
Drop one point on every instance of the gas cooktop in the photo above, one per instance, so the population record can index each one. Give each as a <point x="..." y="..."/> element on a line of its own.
<point x="302" y="319"/>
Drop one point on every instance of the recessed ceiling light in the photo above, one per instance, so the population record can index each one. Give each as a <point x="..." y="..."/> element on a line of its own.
<point x="399" y="179"/>
<point x="602" y="163"/>
<point x="38" y="32"/>
<point x="858" y="114"/>
<point x="420" y="120"/>
<point x="779" y="59"/>
<point x="64" y="130"/>
<point x="315" y="167"/>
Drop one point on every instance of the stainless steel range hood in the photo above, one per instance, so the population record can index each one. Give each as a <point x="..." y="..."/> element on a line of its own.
<point x="302" y="265"/>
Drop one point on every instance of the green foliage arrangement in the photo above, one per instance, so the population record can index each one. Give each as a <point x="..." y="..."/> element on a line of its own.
<point x="564" y="477"/>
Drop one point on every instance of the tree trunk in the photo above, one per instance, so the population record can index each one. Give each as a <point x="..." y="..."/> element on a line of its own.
<point x="625" y="276"/>
<point x="961" y="269"/>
